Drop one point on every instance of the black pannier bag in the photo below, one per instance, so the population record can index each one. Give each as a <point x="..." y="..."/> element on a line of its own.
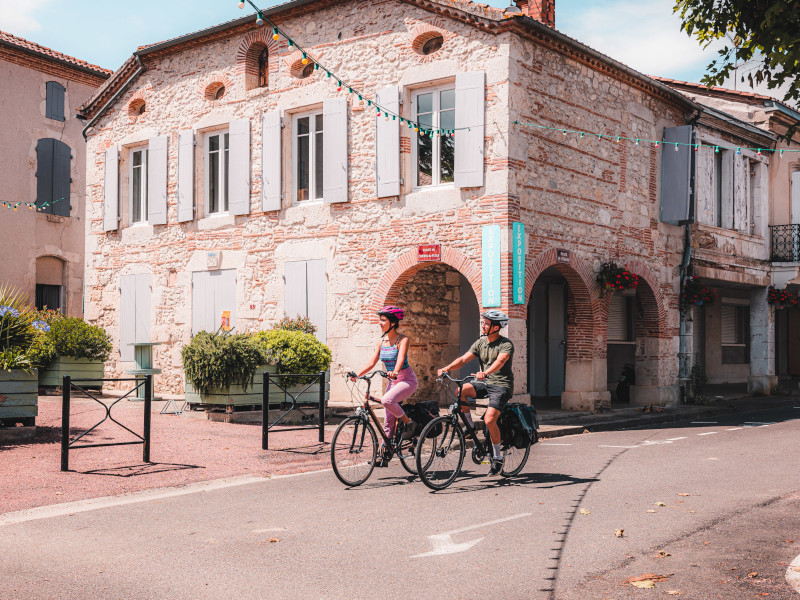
<point x="518" y="425"/>
<point x="423" y="413"/>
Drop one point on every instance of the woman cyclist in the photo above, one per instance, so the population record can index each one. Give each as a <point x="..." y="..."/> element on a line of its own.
<point x="393" y="351"/>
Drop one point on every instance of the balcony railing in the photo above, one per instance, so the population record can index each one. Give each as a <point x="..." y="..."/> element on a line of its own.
<point x="785" y="243"/>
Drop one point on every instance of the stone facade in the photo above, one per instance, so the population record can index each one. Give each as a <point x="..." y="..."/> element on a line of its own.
<point x="583" y="199"/>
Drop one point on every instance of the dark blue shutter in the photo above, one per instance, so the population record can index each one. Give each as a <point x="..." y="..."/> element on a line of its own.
<point x="54" y="106"/>
<point x="62" y="155"/>
<point x="44" y="173"/>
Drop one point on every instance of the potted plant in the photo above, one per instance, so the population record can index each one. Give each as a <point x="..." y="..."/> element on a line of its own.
<point x="18" y="377"/>
<point x="615" y="278"/>
<point x="223" y="369"/>
<point x="296" y="351"/>
<point x="781" y="299"/>
<point x="695" y="293"/>
<point x="68" y="346"/>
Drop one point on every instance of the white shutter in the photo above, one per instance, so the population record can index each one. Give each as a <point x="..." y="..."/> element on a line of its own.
<point x="469" y="129"/>
<point x="334" y="152"/>
<point x="294" y="274"/>
<point x="387" y="144"/>
<point x="142" y="308"/>
<point x="618" y="319"/>
<point x="202" y="302"/>
<point x="239" y="167"/>
<point x="185" y="176"/>
<point x="127" y="317"/>
<point x="223" y="285"/>
<point x="157" y="181"/>
<point x="316" y="296"/>
<point x="271" y="161"/>
<point x="111" y="191"/>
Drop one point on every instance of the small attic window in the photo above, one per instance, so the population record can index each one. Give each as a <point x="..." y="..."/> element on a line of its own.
<point x="428" y="42"/>
<point x="215" y="91"/>
<point x="301" y="71"/>
<point x="432" y="45"/>
<point x="219" y="93"/>
<point x="136" y="108"/>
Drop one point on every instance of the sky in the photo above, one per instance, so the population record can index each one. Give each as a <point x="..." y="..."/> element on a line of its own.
<point x="644" y="35"/>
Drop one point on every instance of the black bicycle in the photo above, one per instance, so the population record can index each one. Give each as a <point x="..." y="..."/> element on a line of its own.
<point x="441" y="448"/>
<point x="354" y="448"/>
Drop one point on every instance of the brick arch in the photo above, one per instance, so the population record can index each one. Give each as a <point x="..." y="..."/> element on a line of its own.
<point x="247" y="55"/>
<point x="205" y="88"/>
<point x="651" y="299"/>
<point x="137" y="100"/>
<point x="419" y="33"/>
<point x="406" y="266"/>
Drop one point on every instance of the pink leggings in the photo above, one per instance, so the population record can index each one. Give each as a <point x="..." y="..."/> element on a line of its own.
<point x="396" y="392"/>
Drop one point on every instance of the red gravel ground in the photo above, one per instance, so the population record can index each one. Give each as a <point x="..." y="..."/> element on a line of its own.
<point x="184" y="449"/>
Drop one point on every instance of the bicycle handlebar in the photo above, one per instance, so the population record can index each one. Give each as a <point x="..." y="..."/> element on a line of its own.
<point x="383" y="374"/>
<point x="466" y="379"/>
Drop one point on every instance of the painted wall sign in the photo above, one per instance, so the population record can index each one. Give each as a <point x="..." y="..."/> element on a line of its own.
<point x="518" y="237"/>
<point x="562" y="256"/>
<point x="490" y="245"/>
<point x="429" y="252"/>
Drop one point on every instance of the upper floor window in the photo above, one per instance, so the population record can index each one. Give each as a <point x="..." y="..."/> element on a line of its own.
<point x="53" y="162"/>
<point x="434" y="155"/>
<point x="263" y="67"/>
<point x="54" y="103"/>
<point x="217" y="166"/>
<point x="138" y="186"/>
<point x="308" y="151"/>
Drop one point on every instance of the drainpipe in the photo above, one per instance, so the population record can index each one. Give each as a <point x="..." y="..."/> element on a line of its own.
<point x="140" y="69"/>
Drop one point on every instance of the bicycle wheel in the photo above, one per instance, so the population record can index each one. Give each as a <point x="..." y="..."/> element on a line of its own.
<point x="440" y="452"/>
<point x="354" y="449"/>
<point x="515" y="459"/>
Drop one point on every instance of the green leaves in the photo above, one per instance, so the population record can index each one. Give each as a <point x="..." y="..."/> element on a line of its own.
<point x="220" y="360"/>
<point x="295" y="352"/>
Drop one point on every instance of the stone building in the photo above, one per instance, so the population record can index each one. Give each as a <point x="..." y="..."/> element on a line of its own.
<point x="44" y="169"/>
<point x="228" y="175"/>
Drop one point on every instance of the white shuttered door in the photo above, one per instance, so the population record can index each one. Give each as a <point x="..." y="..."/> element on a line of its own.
<point x="239" y="167"/>
<point x="134" y="313"/>
<point x="387" y="132"/>
<point x="185" y="176"/>
<point x="213" y="292"/>
<point x="306" y="293"/>
<point x="469" y="129"/>
<point x="334" y="152"/>
<point x="271" y="161"/>
<point x="111" y="191"/>
<point x="157" y="181"/>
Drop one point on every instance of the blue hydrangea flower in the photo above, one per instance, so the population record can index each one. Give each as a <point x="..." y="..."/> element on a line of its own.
<point x="41" y="326"/>
<point x="7" y="310"/>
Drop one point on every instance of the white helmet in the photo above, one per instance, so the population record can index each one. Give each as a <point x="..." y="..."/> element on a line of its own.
<point x="497" y="317"/>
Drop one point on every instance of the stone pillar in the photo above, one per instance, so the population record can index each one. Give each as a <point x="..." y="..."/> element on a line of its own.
<point x="762" y="344"/>
<point x="585" y="386"/>
<point x="656" y="372"/>
<point x="517" y="332"/>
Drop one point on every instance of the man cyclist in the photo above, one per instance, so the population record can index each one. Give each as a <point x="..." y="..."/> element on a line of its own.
<point x="495" y="379"/>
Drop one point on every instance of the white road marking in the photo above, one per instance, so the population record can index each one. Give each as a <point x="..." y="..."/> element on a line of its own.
<point x="704" y="422"/>
<point x="443" y="544"/>
<point x="793" y="574"/>
<point x="708" y="433"/>
<point x="604" y="446"/>
<point x="734" y="429"/>
<point x="272" y="529"/>
<point x="676" y="439"/>
<point x="655" y="443"/>
<point x="759" y="423"/>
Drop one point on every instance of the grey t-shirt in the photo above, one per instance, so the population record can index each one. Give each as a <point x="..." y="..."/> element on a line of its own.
<point x="487" y="353"/>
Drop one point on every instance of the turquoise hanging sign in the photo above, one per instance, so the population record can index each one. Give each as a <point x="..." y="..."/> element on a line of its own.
<point x="518" y="248"/>
<point x="490" y="250"/>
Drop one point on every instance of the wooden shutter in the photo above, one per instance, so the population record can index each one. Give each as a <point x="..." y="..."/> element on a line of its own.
<point x="44" y="172"/>
<point x="142" y="312"/>
<point x="727" y="176"/>
<point x="127" y="317"/>
<point x="223" y="287"/>
<point x="185" y="175"/>
<point x="54" y="101"/>
<point x="618" y="319"/>
<point x="469" y="140"/>
<point x="795" y="216"/>
<point x="271" y="161"/>
<point x="728" y="325"/>
<point x="334" y="152"/>
<point x="62" y="160"/>
<point x="387" y="146"/>
<point x="317" y="297"/>
<point x="239" y="167"/>
<point x="294" y="274"/>
<point x="157" y="181"/>
<point x="676" y="175"/>
<point x="202" y="302"/>
<point x="111" y="191"/>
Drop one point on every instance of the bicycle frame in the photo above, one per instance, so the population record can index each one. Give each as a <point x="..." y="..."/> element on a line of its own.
<point x="482" y="449"/>
<point x="367" y="408"/>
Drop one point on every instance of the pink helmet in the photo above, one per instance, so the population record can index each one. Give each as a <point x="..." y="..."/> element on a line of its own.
<point x="393" y="313"/>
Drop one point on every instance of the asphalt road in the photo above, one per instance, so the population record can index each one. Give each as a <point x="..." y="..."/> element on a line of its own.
<point x="710" y="508"/>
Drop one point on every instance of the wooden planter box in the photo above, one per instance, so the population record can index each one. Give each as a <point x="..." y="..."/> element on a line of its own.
<point x="76" y="368"/>
<point x="19" y="396"/>
<point x="235" y="395"/>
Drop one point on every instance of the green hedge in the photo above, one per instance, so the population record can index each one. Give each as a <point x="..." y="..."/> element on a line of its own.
<point x="220" y="360"/>
<point x="294" y="352"/>
<point x="71" y="337"/>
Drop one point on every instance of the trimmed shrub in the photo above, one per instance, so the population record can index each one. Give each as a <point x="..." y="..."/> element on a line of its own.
<point x="71" y="337"/>
<point x="220" y="360"/>
<point x="294" y="352"/>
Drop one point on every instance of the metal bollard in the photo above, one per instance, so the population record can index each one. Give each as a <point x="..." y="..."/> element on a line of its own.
<point x="322" y="406"/>
<point x="65" y="398"/>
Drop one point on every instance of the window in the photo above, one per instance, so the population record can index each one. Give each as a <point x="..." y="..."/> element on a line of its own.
<point x="48" y="297"/>
<point x="735" y="331"/>
<point x="434" y="156"/>
<point x="432" y="45"/>
<point x="138" y="185"/>
<point x="263" y="68"/>
<point x="53" y="163"/>
<point x="620" y="322"/>
<point x="308" y="152"/>
<point x="54" y="102"/>
<point x="217" y="179"/>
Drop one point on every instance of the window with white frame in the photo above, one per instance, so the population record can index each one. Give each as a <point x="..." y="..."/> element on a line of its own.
<point x="434" y="155"/>
<point x="217" y="166"/>
<point x="307" y="151"/>
<point x="138" y="185"/>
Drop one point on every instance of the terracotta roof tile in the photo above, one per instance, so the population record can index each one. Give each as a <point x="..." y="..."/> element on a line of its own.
<point x="18" y="42"/>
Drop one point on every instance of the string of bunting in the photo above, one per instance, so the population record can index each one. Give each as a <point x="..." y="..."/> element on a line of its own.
<point x="29" y="205"/>
<point x="655" y="143"/>
<point x="342" y="85"/>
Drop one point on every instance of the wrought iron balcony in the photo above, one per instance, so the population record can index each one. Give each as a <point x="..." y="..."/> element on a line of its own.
<point x="785" y="243"/>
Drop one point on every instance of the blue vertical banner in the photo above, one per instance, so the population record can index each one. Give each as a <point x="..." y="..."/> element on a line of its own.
<point x="490" y="246"/>
<point x="518" y="248"/>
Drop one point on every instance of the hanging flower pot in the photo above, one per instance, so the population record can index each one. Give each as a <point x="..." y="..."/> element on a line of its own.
<point x="615" y="278"/>
<point x="781" y="299"/>
<point x="696" y="294"/>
